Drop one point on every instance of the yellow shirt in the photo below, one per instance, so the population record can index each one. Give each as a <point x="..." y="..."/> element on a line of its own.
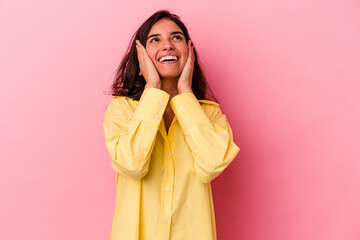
<point x="163" y="180"/>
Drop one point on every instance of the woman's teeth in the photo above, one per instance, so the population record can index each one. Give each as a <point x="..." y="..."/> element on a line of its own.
<point x="168" y="58"/>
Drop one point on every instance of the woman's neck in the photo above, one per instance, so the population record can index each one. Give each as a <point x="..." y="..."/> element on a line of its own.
<point x="170" y="86"/>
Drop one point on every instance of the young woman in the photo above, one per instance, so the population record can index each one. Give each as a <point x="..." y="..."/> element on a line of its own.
<point x="166" y="140"/>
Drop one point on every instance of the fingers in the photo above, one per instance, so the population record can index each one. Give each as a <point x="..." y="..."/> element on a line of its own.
<point x="140" y="47"/>
<point x="191" y="55"/>
<point x="140" y="55"/>
<point x="189" y="48"/>
<point x="147" y="67"/>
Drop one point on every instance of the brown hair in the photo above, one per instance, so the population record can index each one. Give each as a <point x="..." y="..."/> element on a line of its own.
<point x="128" y="82"/>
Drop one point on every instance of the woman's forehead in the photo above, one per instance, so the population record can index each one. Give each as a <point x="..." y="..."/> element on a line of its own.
<point x="164" y="26"/>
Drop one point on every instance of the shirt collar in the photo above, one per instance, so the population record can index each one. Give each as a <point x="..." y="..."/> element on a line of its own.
<point x="208" y="101"/>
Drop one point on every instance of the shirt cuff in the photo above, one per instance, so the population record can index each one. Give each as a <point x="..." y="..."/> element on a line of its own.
<point x="188" y="110"/>
<point x="152" y="104"/>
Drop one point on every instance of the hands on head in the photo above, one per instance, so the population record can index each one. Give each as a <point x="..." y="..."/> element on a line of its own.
<point x="147" y="68"/>
<point x="151" y="75"/>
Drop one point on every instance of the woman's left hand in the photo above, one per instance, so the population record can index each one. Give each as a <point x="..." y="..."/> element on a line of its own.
<point x="185" y="79"/>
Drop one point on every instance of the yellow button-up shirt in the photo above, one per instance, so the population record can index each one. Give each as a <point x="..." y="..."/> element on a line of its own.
<point x="163" y="180"/>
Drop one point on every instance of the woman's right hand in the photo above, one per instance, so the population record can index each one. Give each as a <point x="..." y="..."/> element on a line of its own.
<point x="147" y="67"/>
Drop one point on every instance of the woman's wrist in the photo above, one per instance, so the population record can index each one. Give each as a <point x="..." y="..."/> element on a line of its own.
<point x="184" y="90"/>
<point x="153" y="85"/>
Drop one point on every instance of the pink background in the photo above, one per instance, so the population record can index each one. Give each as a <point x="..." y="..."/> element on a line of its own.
<point x="286" y="74"/>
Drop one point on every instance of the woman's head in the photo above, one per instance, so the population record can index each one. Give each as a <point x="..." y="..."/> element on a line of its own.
<point x="174" y="37"/>
<point x="166" y="38"/>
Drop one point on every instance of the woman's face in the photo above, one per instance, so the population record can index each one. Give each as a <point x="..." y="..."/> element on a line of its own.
<point x="166" y="38"/>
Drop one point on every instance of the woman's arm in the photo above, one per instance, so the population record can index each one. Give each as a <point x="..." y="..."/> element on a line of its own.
<point x="130" y="135"/>
<point x="210" y="138"/>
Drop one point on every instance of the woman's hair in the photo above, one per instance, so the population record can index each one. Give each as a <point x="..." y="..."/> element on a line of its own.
<point x="129" y="83"/>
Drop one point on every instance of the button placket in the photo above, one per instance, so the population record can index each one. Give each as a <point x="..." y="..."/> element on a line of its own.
<point x="167" y="195"/>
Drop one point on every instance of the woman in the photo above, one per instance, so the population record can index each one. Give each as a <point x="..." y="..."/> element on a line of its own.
<point x="166" y="141"/>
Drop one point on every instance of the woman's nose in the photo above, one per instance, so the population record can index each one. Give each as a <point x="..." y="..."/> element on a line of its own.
<point x="167" y="45"/>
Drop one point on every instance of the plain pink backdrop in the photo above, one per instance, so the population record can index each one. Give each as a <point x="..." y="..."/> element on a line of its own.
<point x="286" y="74"/>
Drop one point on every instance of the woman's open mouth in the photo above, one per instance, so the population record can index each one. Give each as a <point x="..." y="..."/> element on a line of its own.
<point x="168" y="59"/>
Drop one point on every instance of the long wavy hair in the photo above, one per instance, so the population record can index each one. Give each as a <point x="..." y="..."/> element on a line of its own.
<point x="129" y="83"/>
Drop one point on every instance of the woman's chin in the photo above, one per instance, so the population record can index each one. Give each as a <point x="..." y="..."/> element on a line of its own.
<point x="169" y="75"/>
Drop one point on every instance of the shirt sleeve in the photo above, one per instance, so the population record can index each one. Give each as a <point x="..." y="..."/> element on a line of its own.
<point x="209" y="138"/>
<point x="130" y="135"/>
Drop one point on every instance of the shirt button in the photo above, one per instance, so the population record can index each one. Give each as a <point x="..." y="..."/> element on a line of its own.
<point x="169" y="155"/>
<point x="157" y="116"/>
<point x="181" y="107"/>
<point x="187" y="118"/>
<point x="161" y="103"/>
<point x="167" y="188"/>
<point x="165" y="221"/>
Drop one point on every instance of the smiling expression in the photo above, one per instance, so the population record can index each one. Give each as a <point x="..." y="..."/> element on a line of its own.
<point x="167" y="48"/>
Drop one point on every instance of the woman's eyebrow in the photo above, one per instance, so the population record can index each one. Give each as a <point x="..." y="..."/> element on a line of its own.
<point x="157" y="34"/>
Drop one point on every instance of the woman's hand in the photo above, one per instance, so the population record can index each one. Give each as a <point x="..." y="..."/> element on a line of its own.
<point x="185" y="79"/>
<point x="147" y="67"/>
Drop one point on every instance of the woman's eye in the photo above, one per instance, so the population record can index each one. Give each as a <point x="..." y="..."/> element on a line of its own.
<point x="157" y="39"/>
<point x="154" y="39"/>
